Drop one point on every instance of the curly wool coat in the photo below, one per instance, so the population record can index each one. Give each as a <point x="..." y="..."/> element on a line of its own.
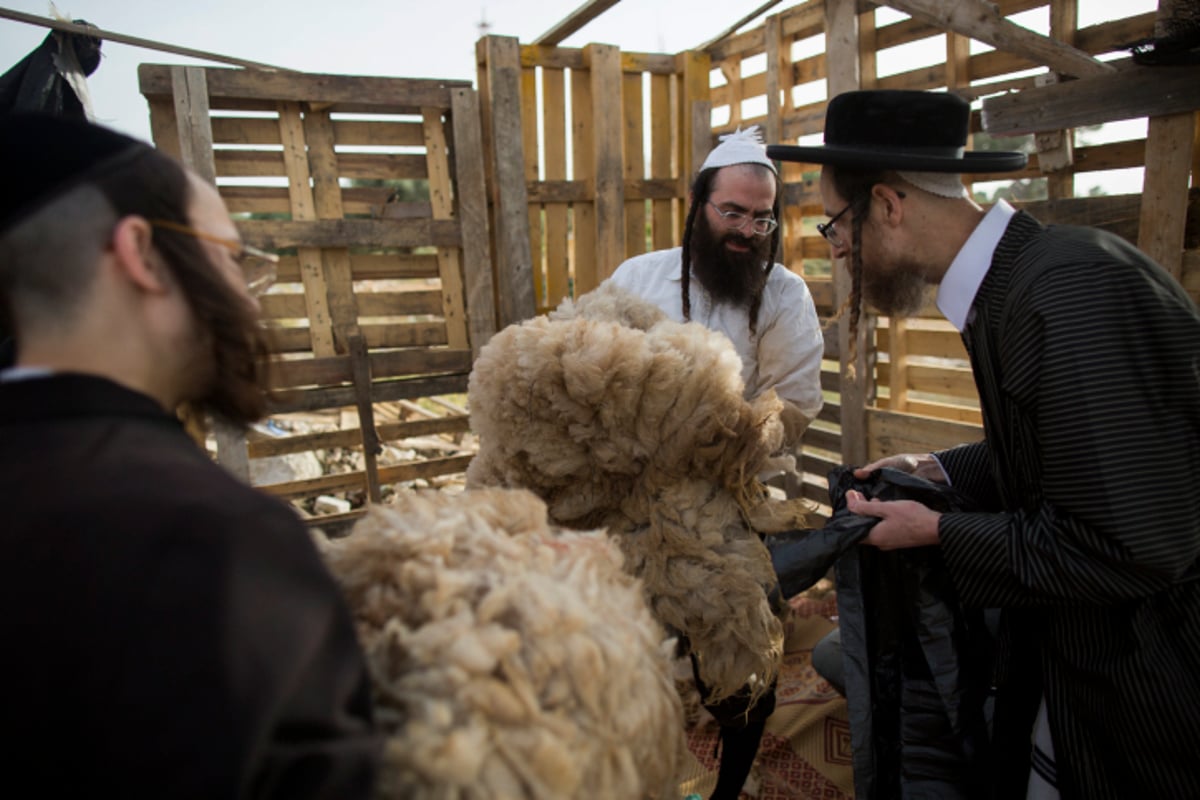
<point x="620" y="418"/>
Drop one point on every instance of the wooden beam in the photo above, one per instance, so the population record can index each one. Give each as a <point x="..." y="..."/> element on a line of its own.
<point x="514" y="271"/>
<point x="604" y="65"/>
<point x="841" y="47"/>
<point x="1135" y="92"/>
<point x="980" y="20"/>
<point x="732" y="29"/>
<point x="148" y="44"/>
<point x="575" y="21"/>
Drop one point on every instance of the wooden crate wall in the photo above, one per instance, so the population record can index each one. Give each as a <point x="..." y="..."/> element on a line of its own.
<point x="380" y="302"/>
<point x="601" y="178"/>
<point x="916" y="391"/>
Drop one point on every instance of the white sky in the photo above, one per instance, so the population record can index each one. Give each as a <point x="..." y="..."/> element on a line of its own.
<point x="398" y="38"/>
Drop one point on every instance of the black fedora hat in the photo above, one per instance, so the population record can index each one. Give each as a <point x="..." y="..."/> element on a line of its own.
<point x="902" y="130"/>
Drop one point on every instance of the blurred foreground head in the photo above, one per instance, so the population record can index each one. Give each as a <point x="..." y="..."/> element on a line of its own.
<point x="116" y="260"/>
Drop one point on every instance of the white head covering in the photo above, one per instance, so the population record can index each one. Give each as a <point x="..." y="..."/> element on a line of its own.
<point x="943" y="184"/>
<point x="740" y="147"/>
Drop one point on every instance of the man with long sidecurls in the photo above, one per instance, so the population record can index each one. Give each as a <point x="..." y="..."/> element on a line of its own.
<point x="733" y="285"/>
<point x="1087" y="359"/>
<point x="170" y="632"/>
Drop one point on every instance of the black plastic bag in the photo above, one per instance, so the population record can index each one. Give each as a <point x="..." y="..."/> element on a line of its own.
<point x="41" y="82"/>
<point x="917" y="664"/>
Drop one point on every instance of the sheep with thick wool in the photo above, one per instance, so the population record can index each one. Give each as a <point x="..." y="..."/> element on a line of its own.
<point x="623" y="419"/>
<point x="508" y="659"/>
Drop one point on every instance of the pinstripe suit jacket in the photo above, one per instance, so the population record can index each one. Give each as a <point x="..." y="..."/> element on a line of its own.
<point x="1087" y="359"/>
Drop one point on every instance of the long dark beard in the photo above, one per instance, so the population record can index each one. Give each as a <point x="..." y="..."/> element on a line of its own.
<point x="897" y="293"/>
<point x="728" y="276"/>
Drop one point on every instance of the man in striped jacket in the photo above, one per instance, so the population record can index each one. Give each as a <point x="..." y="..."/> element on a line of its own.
<point x="1086" y="355"/>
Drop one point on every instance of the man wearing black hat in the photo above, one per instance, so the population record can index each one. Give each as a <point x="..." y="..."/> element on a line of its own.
<point x="1087" y="359"/>
<point x="169" y="631"/>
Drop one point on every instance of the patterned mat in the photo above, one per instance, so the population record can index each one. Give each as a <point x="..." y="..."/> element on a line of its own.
<point x="805" y="752"/>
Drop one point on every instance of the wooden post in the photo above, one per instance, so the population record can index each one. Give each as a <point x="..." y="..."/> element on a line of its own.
<point x="514" y="276"/>
<point x="604" y="63"/>
<point x="471" y="199"/>
<point x="841" y="48"/>
<point x="1056" y="149"/>
<point x="361" y="368"/>
<point x="1169" y="143"/>
<point x="189" y="88"/>
<point x="693" y="68"/>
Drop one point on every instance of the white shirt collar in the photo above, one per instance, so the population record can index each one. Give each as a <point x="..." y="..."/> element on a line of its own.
<point x="956" y="293"/>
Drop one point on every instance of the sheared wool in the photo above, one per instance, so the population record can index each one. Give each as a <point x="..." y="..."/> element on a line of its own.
<point x="509" y="659"/>
<point x="621" y="418"/>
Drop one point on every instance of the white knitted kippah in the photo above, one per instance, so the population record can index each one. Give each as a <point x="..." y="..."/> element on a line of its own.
<point x="740" y="147"/>
<point x="943" y="184"/>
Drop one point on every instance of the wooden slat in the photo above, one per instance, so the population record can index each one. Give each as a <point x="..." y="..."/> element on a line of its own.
<point x="514" y="279"/>
<point x="303" y="209"/>
<point x="327" y="198"/>
<point x="574" y="21"/>
<point x="583" y="214"/>
<point x="694" y="142"/>
<point x="363" y="266"/>
<point x="472" y="214"/>
<point x="325" y="440"/>
<point x="190" y="93"/>
<point x="336" y="92"/>
<point x="529" y="132"/>
<point x="1136" y="92"/>
<point x="604" y="65"/>
<point x="661" y="143"/>
<point x="449" y="266"/>
<point x="413" y="334"/>
<point x="554" y="136"/>
<point x="898" y="351"/>
<point x="980" y="20"/>
<point x="1165" y="188"/>
<point x="163" y="127"/>
<point x="891" y="433"/>
<point x="382" y="392"/>
<point x="634" y="164"/>
<point x="921" y="341"/>
<point x="338" y="369"/>
<point x="280" y="234"/>
<point x="945" y="381"/>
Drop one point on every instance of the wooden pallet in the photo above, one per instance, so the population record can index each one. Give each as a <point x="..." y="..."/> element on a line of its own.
<point x="378" y="300"/>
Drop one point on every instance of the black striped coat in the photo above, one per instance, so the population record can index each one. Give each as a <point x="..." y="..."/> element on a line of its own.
<point x="1087" y="359"/>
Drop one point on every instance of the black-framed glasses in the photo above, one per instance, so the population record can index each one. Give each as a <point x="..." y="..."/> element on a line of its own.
<point x="828" y="230"/>
<point x="736" y="220"/>
<point x="259" y="266"/>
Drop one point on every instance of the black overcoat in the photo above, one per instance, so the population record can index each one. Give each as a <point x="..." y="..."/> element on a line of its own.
<point x="1087" y="359"/>
<point x="168" y="631"/>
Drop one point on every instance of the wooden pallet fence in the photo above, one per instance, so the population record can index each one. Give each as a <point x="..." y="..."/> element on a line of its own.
<point x="604" y="178"/>
<point x="373" y="192"/>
